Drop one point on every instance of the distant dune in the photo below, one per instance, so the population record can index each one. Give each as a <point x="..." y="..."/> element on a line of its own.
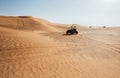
<point x="36" y="48"/>
<point x="24" y="22"/>
<point x="31" y="23"/>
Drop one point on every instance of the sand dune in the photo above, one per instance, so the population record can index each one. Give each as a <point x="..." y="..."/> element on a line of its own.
<point x="25" y="23"/>
<point x="93" y="53"/>
<point x="31" y="23"/>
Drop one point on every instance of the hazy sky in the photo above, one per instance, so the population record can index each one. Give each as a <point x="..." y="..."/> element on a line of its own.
<point x="84" y="12"/>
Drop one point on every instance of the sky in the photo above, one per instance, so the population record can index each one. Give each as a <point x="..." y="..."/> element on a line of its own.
<point x="84" y="12"/>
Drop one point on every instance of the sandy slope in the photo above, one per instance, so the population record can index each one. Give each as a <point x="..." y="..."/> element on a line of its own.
<point x="25" y="23"/>
<point x="30" y="23"/>
<point x="29" y="54"/>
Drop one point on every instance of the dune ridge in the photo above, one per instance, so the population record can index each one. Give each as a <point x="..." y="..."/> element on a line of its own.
<point x="31" y="23"/>
<point x="22" y="22"/>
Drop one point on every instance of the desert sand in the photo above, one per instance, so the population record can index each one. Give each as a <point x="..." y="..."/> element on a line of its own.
<point x="36" y="48"/>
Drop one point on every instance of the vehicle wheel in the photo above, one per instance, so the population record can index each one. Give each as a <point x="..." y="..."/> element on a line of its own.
<point x="68" y="32"/>
<point x="76" y="32"/>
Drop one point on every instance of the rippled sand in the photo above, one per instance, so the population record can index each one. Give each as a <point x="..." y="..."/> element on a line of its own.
<point x="48" y="53"/>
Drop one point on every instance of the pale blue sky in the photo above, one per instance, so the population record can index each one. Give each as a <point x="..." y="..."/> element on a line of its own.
<point x="84" y="12"/>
